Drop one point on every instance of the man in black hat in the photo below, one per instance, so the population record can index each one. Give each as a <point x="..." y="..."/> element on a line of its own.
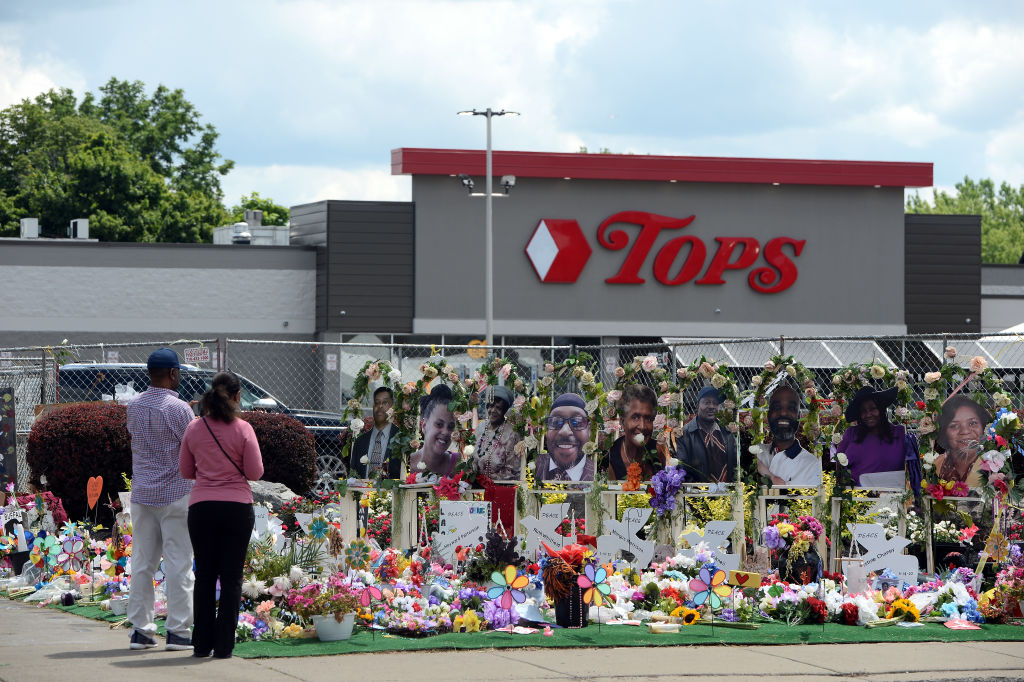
<point x="568" y="433"/>
<point x="706" y="450"/>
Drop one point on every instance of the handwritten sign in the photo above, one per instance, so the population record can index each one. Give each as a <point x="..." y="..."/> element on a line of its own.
<point x="542" y="527"/>
<point x="262" y="519"/>
<point x="93" y="488"/>
<point x="461" y="524"/>
<point x="716" y="536"/>
<point x="11" y="513"/>
<point x="622" y="537"/>
<point x="883" y="552"/>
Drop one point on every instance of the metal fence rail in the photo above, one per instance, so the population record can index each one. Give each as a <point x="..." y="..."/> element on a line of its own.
<point x="319" y="376"/>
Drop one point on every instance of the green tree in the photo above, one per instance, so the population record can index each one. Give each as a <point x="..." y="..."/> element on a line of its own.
<point x="273" y="214"/>
<point x="141" y="168"/>
<point x="1002" y="215"/>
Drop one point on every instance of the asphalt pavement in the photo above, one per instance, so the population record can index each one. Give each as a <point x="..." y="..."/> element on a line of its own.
<point x="46" y="644"/>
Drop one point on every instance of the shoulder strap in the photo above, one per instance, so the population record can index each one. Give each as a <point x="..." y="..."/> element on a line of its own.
<point x="222" y="448"/>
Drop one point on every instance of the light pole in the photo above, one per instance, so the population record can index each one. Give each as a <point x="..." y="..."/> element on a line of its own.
<point x="488" y="229"/>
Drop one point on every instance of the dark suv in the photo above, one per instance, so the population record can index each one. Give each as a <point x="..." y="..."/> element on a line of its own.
<point x="78" y="382"/>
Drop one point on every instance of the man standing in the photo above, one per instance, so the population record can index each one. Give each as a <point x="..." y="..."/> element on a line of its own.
<point x="568" y="432"/>
<point x="705" y="450"/>
<point x="375" y="444"/>
<point x="157" y="419"/>
<point x="784" y="460"/>
<point x="636" y="445"/>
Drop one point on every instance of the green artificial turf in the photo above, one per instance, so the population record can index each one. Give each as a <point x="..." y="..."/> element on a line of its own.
<point x="363" y="641"/>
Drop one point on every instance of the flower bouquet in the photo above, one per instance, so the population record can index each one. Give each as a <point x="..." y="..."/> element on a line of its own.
<point x="325" y="602"/>
<point x="794" y="542"/>
<point x="561" y="587"/>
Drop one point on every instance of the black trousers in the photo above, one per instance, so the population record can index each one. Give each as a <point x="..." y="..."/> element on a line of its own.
<point x="220" y="534"/>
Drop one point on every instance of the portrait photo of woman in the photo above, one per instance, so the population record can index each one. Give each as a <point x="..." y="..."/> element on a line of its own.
<point x="875" y="447"/>
<point x="437" y="424"/>
<point x="961" y="436"/>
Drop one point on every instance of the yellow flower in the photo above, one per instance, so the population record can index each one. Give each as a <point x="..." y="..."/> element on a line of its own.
<point x="471" y="620"/>
<point x="689" y="616"/>
<point x="786" y="529"/>
<point x="904" y="609"/>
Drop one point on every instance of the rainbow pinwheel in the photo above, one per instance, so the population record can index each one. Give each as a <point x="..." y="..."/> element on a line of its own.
<point x="709" y="588"/>
<point x="44" y="552"/>
<point x="369" y="592"/>
<point x="72" y="554"/>
<point x="508" y="587"/>
<point x="117" y="558"/>
<point x="594" y="582"/>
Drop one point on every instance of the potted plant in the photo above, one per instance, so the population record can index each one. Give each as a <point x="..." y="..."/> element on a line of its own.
<point x="794" y="540"/>
<point x="330" y="606"/>
<point x="561" y="587"/>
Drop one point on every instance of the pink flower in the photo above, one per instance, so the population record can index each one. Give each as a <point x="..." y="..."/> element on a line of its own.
<point x="659" y="421"/>
<point x="950" y="352"/>
<point x="518" y="402"/>
<point x="614" y="396"/>
<point x="665" y="399"/>
<point x="931" y="377"/>
<point x="978" y="364"/>
<point x="612" y="425"/>
<point x="505" y="370"/>
<point x="650" y="363"/>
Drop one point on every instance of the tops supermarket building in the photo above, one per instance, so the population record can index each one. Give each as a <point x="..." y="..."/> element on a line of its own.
<point x="588" y="249"/>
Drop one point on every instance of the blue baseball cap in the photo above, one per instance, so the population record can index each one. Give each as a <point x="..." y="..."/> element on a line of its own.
<point x="163" y="358"/>
<point x="709" y="391"/>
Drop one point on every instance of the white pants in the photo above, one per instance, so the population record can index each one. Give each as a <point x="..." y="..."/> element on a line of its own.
<point x="162" y="531"/>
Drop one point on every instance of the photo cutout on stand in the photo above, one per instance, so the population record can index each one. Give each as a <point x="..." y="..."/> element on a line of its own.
<point x="569" y="451"/>
<point x="707" y="447"/>
<point x="783" y="460"/>
<point x="874" y="448"/>
<point x="960" y="437"/>
<point x="637" y="453"/>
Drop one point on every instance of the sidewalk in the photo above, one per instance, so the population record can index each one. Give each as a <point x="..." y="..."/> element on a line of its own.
<point x="46" y="644"/>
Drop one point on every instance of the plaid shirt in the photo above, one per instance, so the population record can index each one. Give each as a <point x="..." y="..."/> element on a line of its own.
<point x="157" y="419"/>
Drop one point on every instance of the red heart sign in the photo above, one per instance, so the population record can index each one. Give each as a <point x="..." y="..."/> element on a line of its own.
<point x="741" y="578"/>
<point x="93" y="489"/>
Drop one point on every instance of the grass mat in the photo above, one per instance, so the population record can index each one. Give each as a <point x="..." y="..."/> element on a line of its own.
<point x="363" y="641"/>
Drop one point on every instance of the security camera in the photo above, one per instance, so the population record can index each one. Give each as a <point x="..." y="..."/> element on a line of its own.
<point x="466" y="181"/>
<point x="508" y="181"/>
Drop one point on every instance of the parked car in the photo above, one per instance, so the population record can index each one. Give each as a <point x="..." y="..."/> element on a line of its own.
<point x="81" y="381"/>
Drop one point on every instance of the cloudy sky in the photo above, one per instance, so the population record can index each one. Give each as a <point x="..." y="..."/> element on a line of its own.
<point x="310" y="96"/>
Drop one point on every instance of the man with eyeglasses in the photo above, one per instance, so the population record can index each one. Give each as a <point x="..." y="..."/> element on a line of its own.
<point x="568" y="431"/>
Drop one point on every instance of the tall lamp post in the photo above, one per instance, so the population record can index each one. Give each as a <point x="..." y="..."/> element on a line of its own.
<point x="489" y="226"/>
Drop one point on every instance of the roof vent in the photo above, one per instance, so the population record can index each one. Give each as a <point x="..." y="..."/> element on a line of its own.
<point x="30" y="228"/>
<point x="240" y="234"/>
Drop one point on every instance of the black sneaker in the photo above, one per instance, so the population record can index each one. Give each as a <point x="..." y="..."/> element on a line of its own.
<point x="140" y="640"/>
<point x="178" y="643"/>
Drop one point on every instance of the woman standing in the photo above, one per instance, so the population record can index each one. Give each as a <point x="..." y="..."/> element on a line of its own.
<point x="221" y="453"/>
<point x="438" y="424"/>
<point x="496" y="440"/>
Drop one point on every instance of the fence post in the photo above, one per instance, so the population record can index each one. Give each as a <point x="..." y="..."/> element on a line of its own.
<point x="945" y="345"/>
<point x="42" y="378"/>
<point x="782" y="345"/>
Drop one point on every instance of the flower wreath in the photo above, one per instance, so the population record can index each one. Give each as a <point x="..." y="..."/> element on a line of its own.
<point x="497" y="371"/>
<point x="850" y="379"/>
<point x="976" y="381"/>
<point x="756" y="419"/>
<point x="372" y="370"/>
<point x="407" y="407"/>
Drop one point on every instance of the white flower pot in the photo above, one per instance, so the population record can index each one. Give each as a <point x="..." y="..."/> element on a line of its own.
<point x="119" y="607"/>
<point x="330" y="630"/>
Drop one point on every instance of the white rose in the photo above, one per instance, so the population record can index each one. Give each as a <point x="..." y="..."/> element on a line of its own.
<point x="843" y="459"/>
<point x="717" y="380"/>
<point x="638" y="438"/>
<point x="791" y="370"/>
<point x="364" y="459"/>
<point x="468" y="450"/>
<point x="754" y="449"/>
<point x="531" y="466"/>
<point x="356" y="425"/>
<point x="932" y="377"/>
<point x="755" y="381"/>
<point x="931" y="393"/>
<point x="589" y="448"/>
<point x="877" y="371"/>
<point x="421" y="465"/>
<point x="837" y="438"/>
<point x="901" y="384"/>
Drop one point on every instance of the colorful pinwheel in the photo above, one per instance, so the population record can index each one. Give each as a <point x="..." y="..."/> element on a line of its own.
<point x="710" y="588"/>
<point x="318" y="529"/>
<point x="8" y="543"/>
<point x="44" y="552"/>
<point x="595" y="584"/>
<point x="508" y="587"/>
<point x="357" y="554"/>
<point x="117" y="558"/>
<point x="369" y="592"/>
<point x="72" y="555"/>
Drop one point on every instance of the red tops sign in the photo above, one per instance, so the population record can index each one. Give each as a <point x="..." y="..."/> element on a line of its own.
<point x="558" y="251"/>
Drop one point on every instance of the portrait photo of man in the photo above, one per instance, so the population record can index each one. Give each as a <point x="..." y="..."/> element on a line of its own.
<point x="568" y="431"/>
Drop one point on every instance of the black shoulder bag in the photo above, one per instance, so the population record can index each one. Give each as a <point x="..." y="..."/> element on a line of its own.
<point x="222" y="449"/>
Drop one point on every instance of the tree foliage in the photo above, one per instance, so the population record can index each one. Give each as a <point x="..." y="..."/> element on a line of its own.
<point x="139" y="167"/>
<point x="1002" y="215"/>
<point x="273" y="214"/>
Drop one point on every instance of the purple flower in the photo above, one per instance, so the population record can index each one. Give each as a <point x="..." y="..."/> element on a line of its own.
<point x="666" y="484"/>
<point x="728" y="615"/>
<point x="499" y="617"/>
<point x="772" y="539"/>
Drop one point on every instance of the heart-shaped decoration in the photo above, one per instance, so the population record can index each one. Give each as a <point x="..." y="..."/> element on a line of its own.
<point x="741" y="578"/>
<point x="93" y="488"/>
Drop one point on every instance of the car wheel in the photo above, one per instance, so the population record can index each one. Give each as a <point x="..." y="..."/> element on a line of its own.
<point x="331" y="469"/>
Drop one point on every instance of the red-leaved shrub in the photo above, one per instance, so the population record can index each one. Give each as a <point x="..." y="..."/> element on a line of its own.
<point x="75" y="442"/>
<point x="289" y="453"/>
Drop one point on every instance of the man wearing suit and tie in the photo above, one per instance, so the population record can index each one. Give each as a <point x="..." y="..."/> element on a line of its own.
<point x="373" y="450"/>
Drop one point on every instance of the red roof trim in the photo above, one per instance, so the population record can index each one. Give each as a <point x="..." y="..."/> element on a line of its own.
<point x="410" y="161"/>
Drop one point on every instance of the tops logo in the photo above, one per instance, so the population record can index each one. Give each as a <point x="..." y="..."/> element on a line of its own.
<point x="558" y="251"/>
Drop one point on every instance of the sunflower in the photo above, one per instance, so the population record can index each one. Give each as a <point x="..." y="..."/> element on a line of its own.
<point x="903" y="609"/>
<point x="689" y="616"/>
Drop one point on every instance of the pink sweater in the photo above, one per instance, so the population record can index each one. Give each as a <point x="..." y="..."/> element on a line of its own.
<point x="216" y="478"/>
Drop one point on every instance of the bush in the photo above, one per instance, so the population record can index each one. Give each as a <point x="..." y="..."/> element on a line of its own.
<point x="289" y="454"/>
<point x="74" y="443"/>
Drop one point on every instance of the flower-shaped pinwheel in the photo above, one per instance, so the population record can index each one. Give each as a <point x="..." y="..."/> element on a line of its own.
<point x="69" y="529"/>
<point x="595" y="584"/>
<point x="44" y="552"/>
<point x="508" y="587"/>
<point x="709" y="587"/>
<point x="117" y="558"/>
<point x="369" y="592"/>
<point x="357" y="555"/>
<point x="72" y="554"/>
<point x="318" y="529"/>
<point x="8" y="543"/>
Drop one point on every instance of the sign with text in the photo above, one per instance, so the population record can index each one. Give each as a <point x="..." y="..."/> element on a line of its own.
<point x="541" y="528"/>
<point x="461" y="524"/>
<point x="331" y="362"/>
<point x="885" y="553"/>
<point x="621" y="536"/>
<point x="194" y="356"/>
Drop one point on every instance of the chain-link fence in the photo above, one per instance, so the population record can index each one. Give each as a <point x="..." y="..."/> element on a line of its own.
<point x="313" y="381"/>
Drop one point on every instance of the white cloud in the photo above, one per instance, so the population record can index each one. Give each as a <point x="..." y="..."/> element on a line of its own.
<point x="19" y="81"/>
<point x="1004" y="155"/>
<point x="906" y="123"/>
<point x="290" y="185"/>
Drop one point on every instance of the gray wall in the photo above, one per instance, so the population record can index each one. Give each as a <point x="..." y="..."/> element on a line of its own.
<point x="367" y="266"/>
<point x="1002" y="297"/>
<point x="943" y="273"/>
<point x="850" y="271"/>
